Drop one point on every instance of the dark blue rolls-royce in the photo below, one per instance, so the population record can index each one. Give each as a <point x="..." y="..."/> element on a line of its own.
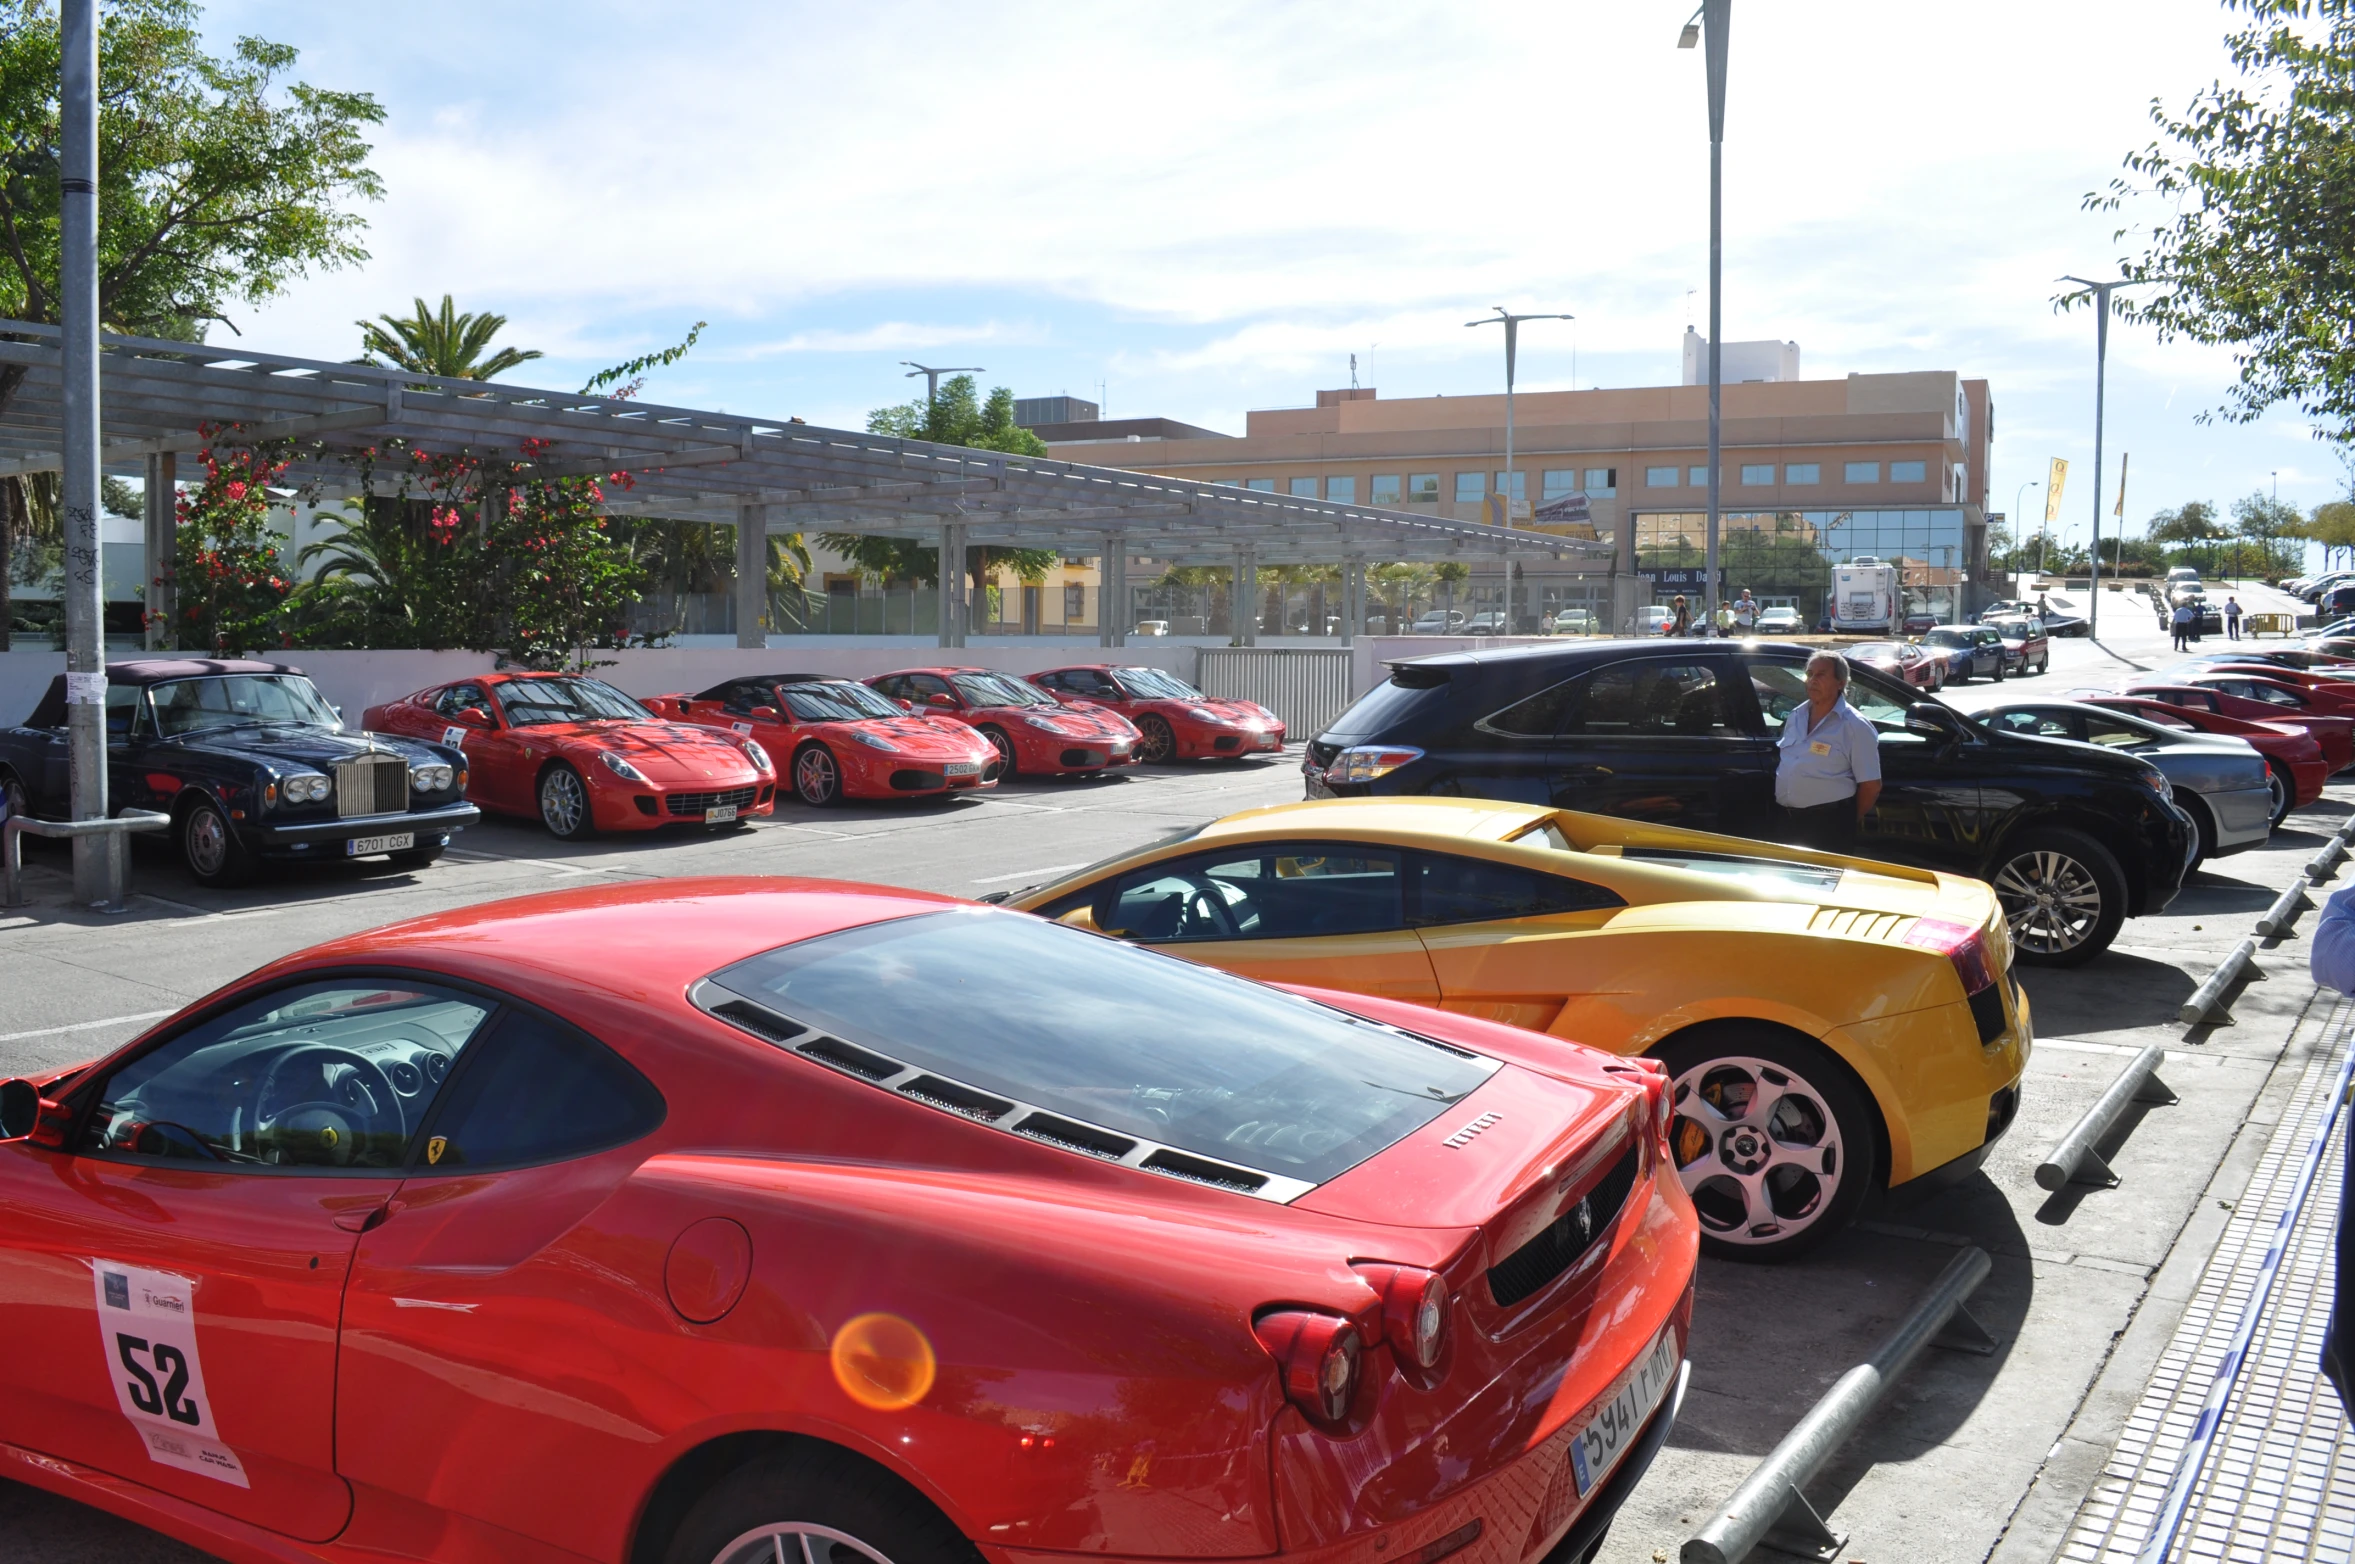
<point x="251" y="764"/>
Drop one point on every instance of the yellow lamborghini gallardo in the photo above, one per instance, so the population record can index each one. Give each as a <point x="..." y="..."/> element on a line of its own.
<point x="1830" y="1024"/>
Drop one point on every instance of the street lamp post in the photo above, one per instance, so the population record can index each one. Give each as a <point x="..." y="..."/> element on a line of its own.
<point x="1512" y="325"/>
<point x="2017" y="494"/>
<point x="1716" y="18"/>
<point x="85" y="632"/>
<point x="932" y="376"/>
<point x="2101" y="292"/>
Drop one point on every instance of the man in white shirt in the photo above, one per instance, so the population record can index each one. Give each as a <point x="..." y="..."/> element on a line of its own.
<point x="1745" y="613"/>
<point x="1828" y="762"/>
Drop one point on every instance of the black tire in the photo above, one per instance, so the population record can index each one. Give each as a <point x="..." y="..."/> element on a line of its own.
<point x="209" y="847"/>
<point x="2089" y="891"/>
<point x="1800" y="1127"/>
<point x="2285" y="793"/>
<point x="1999" y="674"/>
<point x="416" y="858"/>
<point x="1009" y="764"/>
<point x="1159" y="746"/>
<point x="13" y="795"/>
<point x="832" y="1497"/>
<point x="564" y="804"/>
<point x="817" y="781"/>
<point x="2044" y="664"/>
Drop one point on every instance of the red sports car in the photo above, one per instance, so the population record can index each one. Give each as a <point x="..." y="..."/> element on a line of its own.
<point x="1924" y="668"/>
<point x="2336" y="735"/>
<point x="1177" y="721"/>
<point x="1029" y="731"/>
<point x="2292" y="755"/>
<point x="838" y="739"/>
<point x="582" y="756"/>
<point x="725" y="1221"/>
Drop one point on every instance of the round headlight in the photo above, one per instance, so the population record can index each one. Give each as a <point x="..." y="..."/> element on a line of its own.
<point x="429" y="779"/>
<point x="759" y="758"/>
<point x="306" y="787"/>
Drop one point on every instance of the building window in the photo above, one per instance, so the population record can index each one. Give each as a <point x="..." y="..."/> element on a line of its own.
<point x="1520" y="484"/>
<point x="1342" y="489"/>
<point x="1075" y="602"/>
<point x="1861" y="472"/>
<point x="1758" y="474"/>
<point x="1470" y="486"/>
<point x="1909" y="472"/>
<point x="1698" y="477"/>
<point x="1304" y="488"/>
<point x="1803" y="472"/>
<point x="1602" y="481"/>
<point x="1559" y="482"/>
<point x="1423" y="488"/>
<point x="1261" y="485"/>
<point x="1385" y="489"/>
<point x="1659" y="477"/>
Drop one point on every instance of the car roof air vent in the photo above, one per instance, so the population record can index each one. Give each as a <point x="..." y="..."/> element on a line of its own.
<point x="765" y="1023"/>
<point x="856" y="1060"/>
<point x="1075" y="1136"/>
<point x="1204" y="1171"/>
<point x="956" y="1098"/>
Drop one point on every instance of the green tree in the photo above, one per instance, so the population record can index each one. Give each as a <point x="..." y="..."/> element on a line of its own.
<point x="220" y="181"/>
<point x="441" y="342"/>
<point x="2190" y="522"/>
<point x="2253" y="241"/>
<point x="2333" y="526"/>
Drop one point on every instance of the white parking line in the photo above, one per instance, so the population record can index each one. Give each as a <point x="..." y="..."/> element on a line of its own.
<point x="1024" y="874"/>
<point x="83" y="1026"/>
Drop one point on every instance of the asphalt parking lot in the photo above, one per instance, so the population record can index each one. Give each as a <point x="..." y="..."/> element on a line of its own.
<point x="1969" y="1458"/>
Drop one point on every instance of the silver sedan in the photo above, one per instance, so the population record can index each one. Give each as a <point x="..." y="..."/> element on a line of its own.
<point x="2222" y="783"/>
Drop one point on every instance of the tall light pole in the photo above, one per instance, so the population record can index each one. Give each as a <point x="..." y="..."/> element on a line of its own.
<point x="2016" y="497"/>
<point x="1716" y="17"/>
<point x="932" y="376"/>
<point x="85" y="631"/>
<point x="1512" y="325"/>
<point x="2101" y="292"/>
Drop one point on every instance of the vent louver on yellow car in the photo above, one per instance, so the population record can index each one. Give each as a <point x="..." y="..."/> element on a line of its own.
<point x="1857" y="924"/>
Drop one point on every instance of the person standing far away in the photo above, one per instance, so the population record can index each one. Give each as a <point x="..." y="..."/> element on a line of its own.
<point x="2181" y="624"/>
<point x="1681" y="622"/>
<point x="1827" y="769"/>
<point x="1725" y="618"/>
<point x="2232" y="617"/>
<point x="1745" y="612"/>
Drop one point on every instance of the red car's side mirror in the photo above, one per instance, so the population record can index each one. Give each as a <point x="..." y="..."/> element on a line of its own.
<point x="907" y="705"/>
<point x="764" y="713"/>
<point x="944" y="702"/>
<point x="474" y="717"/>
<point x="27" y="1115"/>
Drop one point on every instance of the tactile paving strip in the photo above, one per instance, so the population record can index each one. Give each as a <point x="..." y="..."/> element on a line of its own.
<point x="2278" y="1483"/>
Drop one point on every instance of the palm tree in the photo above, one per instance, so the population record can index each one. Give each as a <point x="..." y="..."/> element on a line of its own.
<point x="447" y="343"/>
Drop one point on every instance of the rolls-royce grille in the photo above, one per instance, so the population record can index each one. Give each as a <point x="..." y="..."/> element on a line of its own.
<point x="1557" y="1248"/>
<point x="371" y="785"/>
<point x="697" y="803"/>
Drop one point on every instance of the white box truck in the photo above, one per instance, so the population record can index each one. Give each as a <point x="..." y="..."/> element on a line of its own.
<point x="1864" y="596"/>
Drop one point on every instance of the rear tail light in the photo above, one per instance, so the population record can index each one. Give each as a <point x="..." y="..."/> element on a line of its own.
<point x="1415" y="1310"/>
<point x="1366" y="762"/>
<point x="1319" y="1356"/>
<point x="1961" y="944"/>
<point x="1659" y="1096"/>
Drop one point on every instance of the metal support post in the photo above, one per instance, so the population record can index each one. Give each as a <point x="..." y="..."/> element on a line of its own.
<point x="1122" y="605"/>
<point x="1246" y="595"/>
<point x="1104" y="599"/>
<point x="1717" y="20"/>
<point x="1353" y="599"/>
<point x="161" y="524"/>
<point x="955" y="607"/>
<point x="752" y="576"/>
<point x="2074" y="1161"/>
<point x="2207" y="1002"/>
<point x="85" y="629"/>
<point x="13" y="829"/>
<point x="1769" y="1507"/>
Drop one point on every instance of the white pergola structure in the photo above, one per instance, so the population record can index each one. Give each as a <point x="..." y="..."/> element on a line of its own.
<point x="753" y="474"/>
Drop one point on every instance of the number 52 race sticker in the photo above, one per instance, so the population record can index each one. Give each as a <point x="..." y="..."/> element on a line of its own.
<point x="147" y="1327"/>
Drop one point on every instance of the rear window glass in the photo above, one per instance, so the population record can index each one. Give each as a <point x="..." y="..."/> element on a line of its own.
<point x="1389" y="707"/>
<point x="1127" y="1039"/>
<point x="1734" y="867"/>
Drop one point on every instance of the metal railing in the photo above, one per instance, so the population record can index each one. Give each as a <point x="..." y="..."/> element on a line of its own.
<point x="1306" y="686"/>
<point x="14" y="828"/>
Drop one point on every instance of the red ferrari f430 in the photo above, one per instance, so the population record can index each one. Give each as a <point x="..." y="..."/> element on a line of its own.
<point x="837" y="739"/>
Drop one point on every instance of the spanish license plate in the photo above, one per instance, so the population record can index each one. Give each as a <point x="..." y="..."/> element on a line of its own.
<point x="1596" y="1448"/>
<point x="962" y="768"/>
<point x="719" y="814"/>
<point x="359" y="845"/>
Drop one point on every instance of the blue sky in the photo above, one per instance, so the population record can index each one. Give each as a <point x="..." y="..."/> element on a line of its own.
<point x="1208" y="207"/>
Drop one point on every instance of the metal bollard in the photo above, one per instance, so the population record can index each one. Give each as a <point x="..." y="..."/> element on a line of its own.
<point x="2346" y="831"/>
<point x="2207" y="1001"/>
<point x="2282" y="916"/>
<point x="14" y="828"/>
<point x="2074" y="1161"/>
<point x="2326" y="860"/>
<point x="1769" y="1507"/>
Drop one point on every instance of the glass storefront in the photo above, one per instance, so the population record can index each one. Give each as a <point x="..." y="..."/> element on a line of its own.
<point x="1787" y="556"/>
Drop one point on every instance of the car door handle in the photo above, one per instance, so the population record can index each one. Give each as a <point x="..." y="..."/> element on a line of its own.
<point x="362" y="1219"/>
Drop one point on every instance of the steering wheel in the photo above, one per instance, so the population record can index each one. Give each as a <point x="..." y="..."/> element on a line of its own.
<point x="1205" y="906"/>
<point x="320" y="1131"/>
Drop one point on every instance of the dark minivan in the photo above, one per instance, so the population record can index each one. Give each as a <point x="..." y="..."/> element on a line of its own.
<point x="2074" y="839"/>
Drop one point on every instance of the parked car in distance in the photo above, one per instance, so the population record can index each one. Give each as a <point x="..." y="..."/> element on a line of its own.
<point x="581" y="757"/>
<point x="2060" y="617"/>
<point x="2336" y="601"/>
<point x="751" y="1218"/>
<point x="1489" y="621"/>
<point x="1029" y="732"/>
<point x="2335" y="735"/>
<point x="1152" y="627"/>
<point x="1439" y="621"/>
<point x="1655" y="619"/>
<point x="1640" y="940"/>
<point x="2293" y="758"/>
<point x="1901" y="660"/>
<point x="2026" y="647"/>
<point x="1781" y="619"/>
<point x="1917" y="622"/>
<point x="2222" y="783"/>
<point x="1175" y="721"/>
<point x="837" y="739"/>
<point x="1975" y="651"/>
<point x="1577" y="621"/>
<point x="2075" y="839"/>
<point x="252" y="765"/>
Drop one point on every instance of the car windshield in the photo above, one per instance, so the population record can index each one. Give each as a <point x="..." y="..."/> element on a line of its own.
<point x="532" y="703"/>
<point x="998" y="689"/>
<point x="1151" y="684"/>
<point x="1947" y="638"/>
<point x="1880" y="651"/>
<point x="834" y="700"/>
<point x="1135" y="1042"/>
<point x="238" y="700"/>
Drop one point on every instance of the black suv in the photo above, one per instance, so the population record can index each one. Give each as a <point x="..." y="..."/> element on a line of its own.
<point x="2074" y="839"/>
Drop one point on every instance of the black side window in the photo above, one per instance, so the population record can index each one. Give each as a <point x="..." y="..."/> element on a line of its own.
<point x="1049" y="681"/>
<point x="743" y="695"/>
<point x="1538" y="716"/>
<point x="1652" y="700"/>
<point x="923" y="686"/>
<point x="892" y="686"/>
<point x="541" y="1091"/>
<point x="1476" y="890"/>
<point x="1290" y="890"/>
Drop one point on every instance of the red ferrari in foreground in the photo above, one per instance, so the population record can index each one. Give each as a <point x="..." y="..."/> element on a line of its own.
<point x="733" y="1220"/>
<point x="1032" y="733"/>
<point x="838" y="739"/>
<point x="582" y="756"/>
<point x="1176" y="721"/>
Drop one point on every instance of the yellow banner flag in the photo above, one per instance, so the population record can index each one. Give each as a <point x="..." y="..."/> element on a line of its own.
<point x="2119" y="510"/>
<point x="2055" y="481"/>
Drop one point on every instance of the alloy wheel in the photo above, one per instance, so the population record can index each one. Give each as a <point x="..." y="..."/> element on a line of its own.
<point x="816" y="780"/>
<point x="998" y="741"/>
<point x="564" y="804"/>
<point x="798" y="1542"/>
<point x="205" y="839"/>
<point x="12" y="792"/>
<point x="1757" y="1147"/>
<point x="1159" y="743"/>
<point x="2050" y="899"/>
<point x="2279" y="795"/>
